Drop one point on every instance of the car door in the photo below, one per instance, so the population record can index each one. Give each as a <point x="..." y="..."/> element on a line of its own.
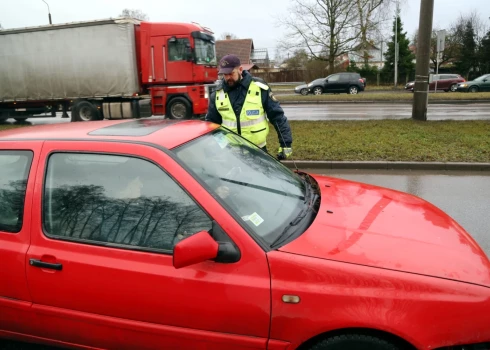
<point x="346" y="80"/>
<point x="18" y="161"/>
<point x="332" y="83"/>
<point x="107" y="217"/>
<point x="485" y="85"/>
<point x="444" y="82"/>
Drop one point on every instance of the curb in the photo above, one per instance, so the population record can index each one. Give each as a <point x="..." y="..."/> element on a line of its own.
<point x="388" y="165"/>
<point x="406" y="102"/>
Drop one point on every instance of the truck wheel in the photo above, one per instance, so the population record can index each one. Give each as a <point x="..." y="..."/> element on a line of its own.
<point x="179" y="108"/>
<point x="84" y="111"/>
<point x="354" y="342"/>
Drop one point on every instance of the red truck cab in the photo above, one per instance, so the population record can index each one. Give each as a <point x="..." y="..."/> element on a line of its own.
<point x="177" y="66"/>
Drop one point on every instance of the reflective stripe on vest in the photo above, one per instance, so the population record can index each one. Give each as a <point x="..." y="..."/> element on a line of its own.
<point x="253" y="122"/>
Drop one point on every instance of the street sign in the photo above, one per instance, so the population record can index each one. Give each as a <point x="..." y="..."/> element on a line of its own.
<point x="441" y="40"/>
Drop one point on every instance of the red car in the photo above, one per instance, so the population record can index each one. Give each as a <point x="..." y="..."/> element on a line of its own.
<point x="445" y="82"/>
<point x="157" y="234"/>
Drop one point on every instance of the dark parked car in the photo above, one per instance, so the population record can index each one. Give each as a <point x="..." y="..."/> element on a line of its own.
<point x="479" y="84"/>
<point x="446" y="82"/>
<point x="350" y="83"/>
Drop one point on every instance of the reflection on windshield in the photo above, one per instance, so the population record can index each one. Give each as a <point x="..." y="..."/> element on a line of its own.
<point x="252" y="185"/>
<point x="205" y="52"/>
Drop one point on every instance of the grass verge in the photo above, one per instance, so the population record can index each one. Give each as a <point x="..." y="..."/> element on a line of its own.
<point x="11" y="126"/>
<point x="389" y="140"/>
<point x="386" y="96"/>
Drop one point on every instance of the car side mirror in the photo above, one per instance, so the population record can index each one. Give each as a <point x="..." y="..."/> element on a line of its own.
<point x="195" y="249"/>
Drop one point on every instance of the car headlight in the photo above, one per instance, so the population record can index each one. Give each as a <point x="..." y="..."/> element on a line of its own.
<point x="463" y="85"/>
<point x="309" y="85"/>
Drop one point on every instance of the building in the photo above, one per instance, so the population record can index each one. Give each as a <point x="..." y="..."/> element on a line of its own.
<point x="250" y="57"/>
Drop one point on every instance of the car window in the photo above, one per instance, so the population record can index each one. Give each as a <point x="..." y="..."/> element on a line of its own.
<point x="483" y="77"/>
<point x="344" y="77"/>
<point x="14" y="171"/>
<point x="334" y="77"/>
<point x="118" y="200"/>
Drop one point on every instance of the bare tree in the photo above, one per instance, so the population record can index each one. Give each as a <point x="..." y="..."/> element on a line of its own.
<point x="370" y="16"/>
<point x="134" y="13"/>
<point x="326" y="28"/>
<point x="228" y="35"/>
<point x="451" y="47"/>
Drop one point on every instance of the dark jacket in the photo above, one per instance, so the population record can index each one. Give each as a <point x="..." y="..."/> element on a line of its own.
<point x="237" y="95"/>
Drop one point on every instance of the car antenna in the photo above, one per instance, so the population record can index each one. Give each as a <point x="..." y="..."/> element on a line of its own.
<point x="280" y="133"/>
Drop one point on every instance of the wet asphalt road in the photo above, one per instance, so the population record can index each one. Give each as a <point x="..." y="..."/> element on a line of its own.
<point x="351" y="111"/>
<point x="364" y="111"/>
<point x="465" y="196"/>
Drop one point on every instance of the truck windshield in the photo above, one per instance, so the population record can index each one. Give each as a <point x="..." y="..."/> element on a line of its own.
<point x="205" y="52"/>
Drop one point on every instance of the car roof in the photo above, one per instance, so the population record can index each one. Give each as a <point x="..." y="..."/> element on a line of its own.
<point x="163" y="132"/>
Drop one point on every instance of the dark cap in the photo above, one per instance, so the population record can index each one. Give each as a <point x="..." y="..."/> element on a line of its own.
<point x="228" y="63"/>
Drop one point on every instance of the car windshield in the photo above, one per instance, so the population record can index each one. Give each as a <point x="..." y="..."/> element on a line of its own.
<point x="205" y="52"/>
<point x="260" y="192"/>
<point x="483" y="77"/>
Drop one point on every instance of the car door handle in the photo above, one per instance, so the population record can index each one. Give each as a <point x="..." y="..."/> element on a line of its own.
<point x="39" y="263"/>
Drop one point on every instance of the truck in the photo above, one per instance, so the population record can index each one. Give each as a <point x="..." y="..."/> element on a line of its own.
<point x="114" y="68"/>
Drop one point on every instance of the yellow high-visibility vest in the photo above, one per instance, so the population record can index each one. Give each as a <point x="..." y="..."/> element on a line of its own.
<point x="253" y="122"/>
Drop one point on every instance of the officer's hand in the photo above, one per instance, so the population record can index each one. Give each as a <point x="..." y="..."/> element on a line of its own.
<point x="284" y="153"/>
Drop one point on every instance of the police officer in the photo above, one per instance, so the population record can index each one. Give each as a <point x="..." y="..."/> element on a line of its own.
<point x="242" y="102"/>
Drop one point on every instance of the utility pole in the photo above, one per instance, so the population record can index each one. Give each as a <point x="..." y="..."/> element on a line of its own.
<point x="421" y="87"/>
<point x="49" y="12"/>
<point x="396" y="45"/>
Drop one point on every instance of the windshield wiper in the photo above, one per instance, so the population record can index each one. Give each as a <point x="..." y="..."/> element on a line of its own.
<point x="309" y="199"/>
<point x="267" y="189"/>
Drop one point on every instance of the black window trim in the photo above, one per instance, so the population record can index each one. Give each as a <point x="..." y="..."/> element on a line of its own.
<point x="30" y="157"/>
<point x="108" y="244"/>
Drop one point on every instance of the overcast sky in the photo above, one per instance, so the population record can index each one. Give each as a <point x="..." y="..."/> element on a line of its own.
<point x="254" y="19"/>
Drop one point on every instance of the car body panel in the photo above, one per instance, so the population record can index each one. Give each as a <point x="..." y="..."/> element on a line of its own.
<point x="15" y="298"/>
<point x="337" y="86"/>
<point x="98" y="283"/>
<point x="369" y="224"/>
<point x="481" y="85"/>
<point x="164" y="133"/>
<point x="336" y="295"/>
<point x="444" y="82"/>
<point x="373" y="258"/>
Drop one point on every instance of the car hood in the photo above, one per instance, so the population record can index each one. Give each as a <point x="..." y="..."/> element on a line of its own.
<point x="373" y="226"/>
<point x="471" y="82"/>
<point x="317" y="81"/>
<point x="302" y="86"/>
